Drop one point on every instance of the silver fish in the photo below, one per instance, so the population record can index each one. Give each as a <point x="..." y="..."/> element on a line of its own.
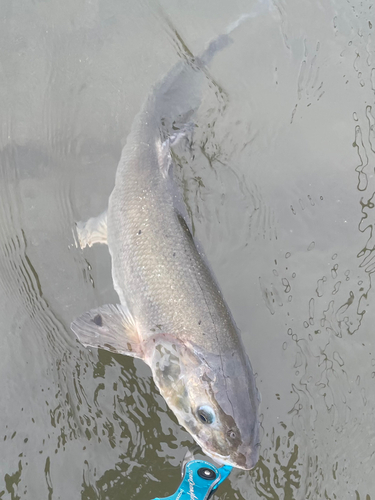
<point x="172" y="314"/>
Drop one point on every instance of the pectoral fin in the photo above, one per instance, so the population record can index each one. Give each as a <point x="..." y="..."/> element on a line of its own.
<point x="93" y="230"/>
<point x="110" y="327"/>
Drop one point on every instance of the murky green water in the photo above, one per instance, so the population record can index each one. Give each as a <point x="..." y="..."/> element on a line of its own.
<point x="280" y="187"/>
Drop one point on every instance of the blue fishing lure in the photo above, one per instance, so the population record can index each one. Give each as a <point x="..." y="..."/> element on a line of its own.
<point x="200" y="480"/>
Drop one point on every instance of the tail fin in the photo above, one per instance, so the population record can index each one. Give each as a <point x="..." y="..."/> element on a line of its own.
<point x="214" y="46"/>
<point x="224" y="40"/>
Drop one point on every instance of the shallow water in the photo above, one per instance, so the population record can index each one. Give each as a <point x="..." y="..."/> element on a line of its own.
<point x="280" y="188"/>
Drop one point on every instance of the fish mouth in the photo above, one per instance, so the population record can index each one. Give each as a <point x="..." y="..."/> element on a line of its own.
<point x="244" y="462"/>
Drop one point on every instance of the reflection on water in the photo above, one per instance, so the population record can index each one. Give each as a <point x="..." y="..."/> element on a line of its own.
<point x="280" y="188"/>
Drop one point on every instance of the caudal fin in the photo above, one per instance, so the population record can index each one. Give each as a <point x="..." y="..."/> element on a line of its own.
<point x="224" y="40"/>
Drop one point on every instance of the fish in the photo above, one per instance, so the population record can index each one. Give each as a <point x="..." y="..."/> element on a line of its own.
<point x="171" y="312"/>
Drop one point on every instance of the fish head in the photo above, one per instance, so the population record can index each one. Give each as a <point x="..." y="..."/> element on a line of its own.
<point x="213" y="396"/>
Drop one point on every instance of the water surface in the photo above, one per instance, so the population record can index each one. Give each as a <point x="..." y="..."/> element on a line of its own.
<point x="280" y="188"/>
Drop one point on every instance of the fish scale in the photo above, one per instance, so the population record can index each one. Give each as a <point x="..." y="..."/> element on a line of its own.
<point x="165" y="264"/>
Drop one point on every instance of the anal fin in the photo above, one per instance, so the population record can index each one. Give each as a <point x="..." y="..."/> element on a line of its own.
<point x="110" y="327"/>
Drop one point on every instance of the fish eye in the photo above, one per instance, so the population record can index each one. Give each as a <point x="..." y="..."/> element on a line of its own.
<point x="231" y="434"/>
<point x="206" y="414"/>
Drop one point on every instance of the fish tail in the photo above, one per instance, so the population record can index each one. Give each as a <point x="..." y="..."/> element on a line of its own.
<point x="214" y="46"/>
<point x="224" y="40"/>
